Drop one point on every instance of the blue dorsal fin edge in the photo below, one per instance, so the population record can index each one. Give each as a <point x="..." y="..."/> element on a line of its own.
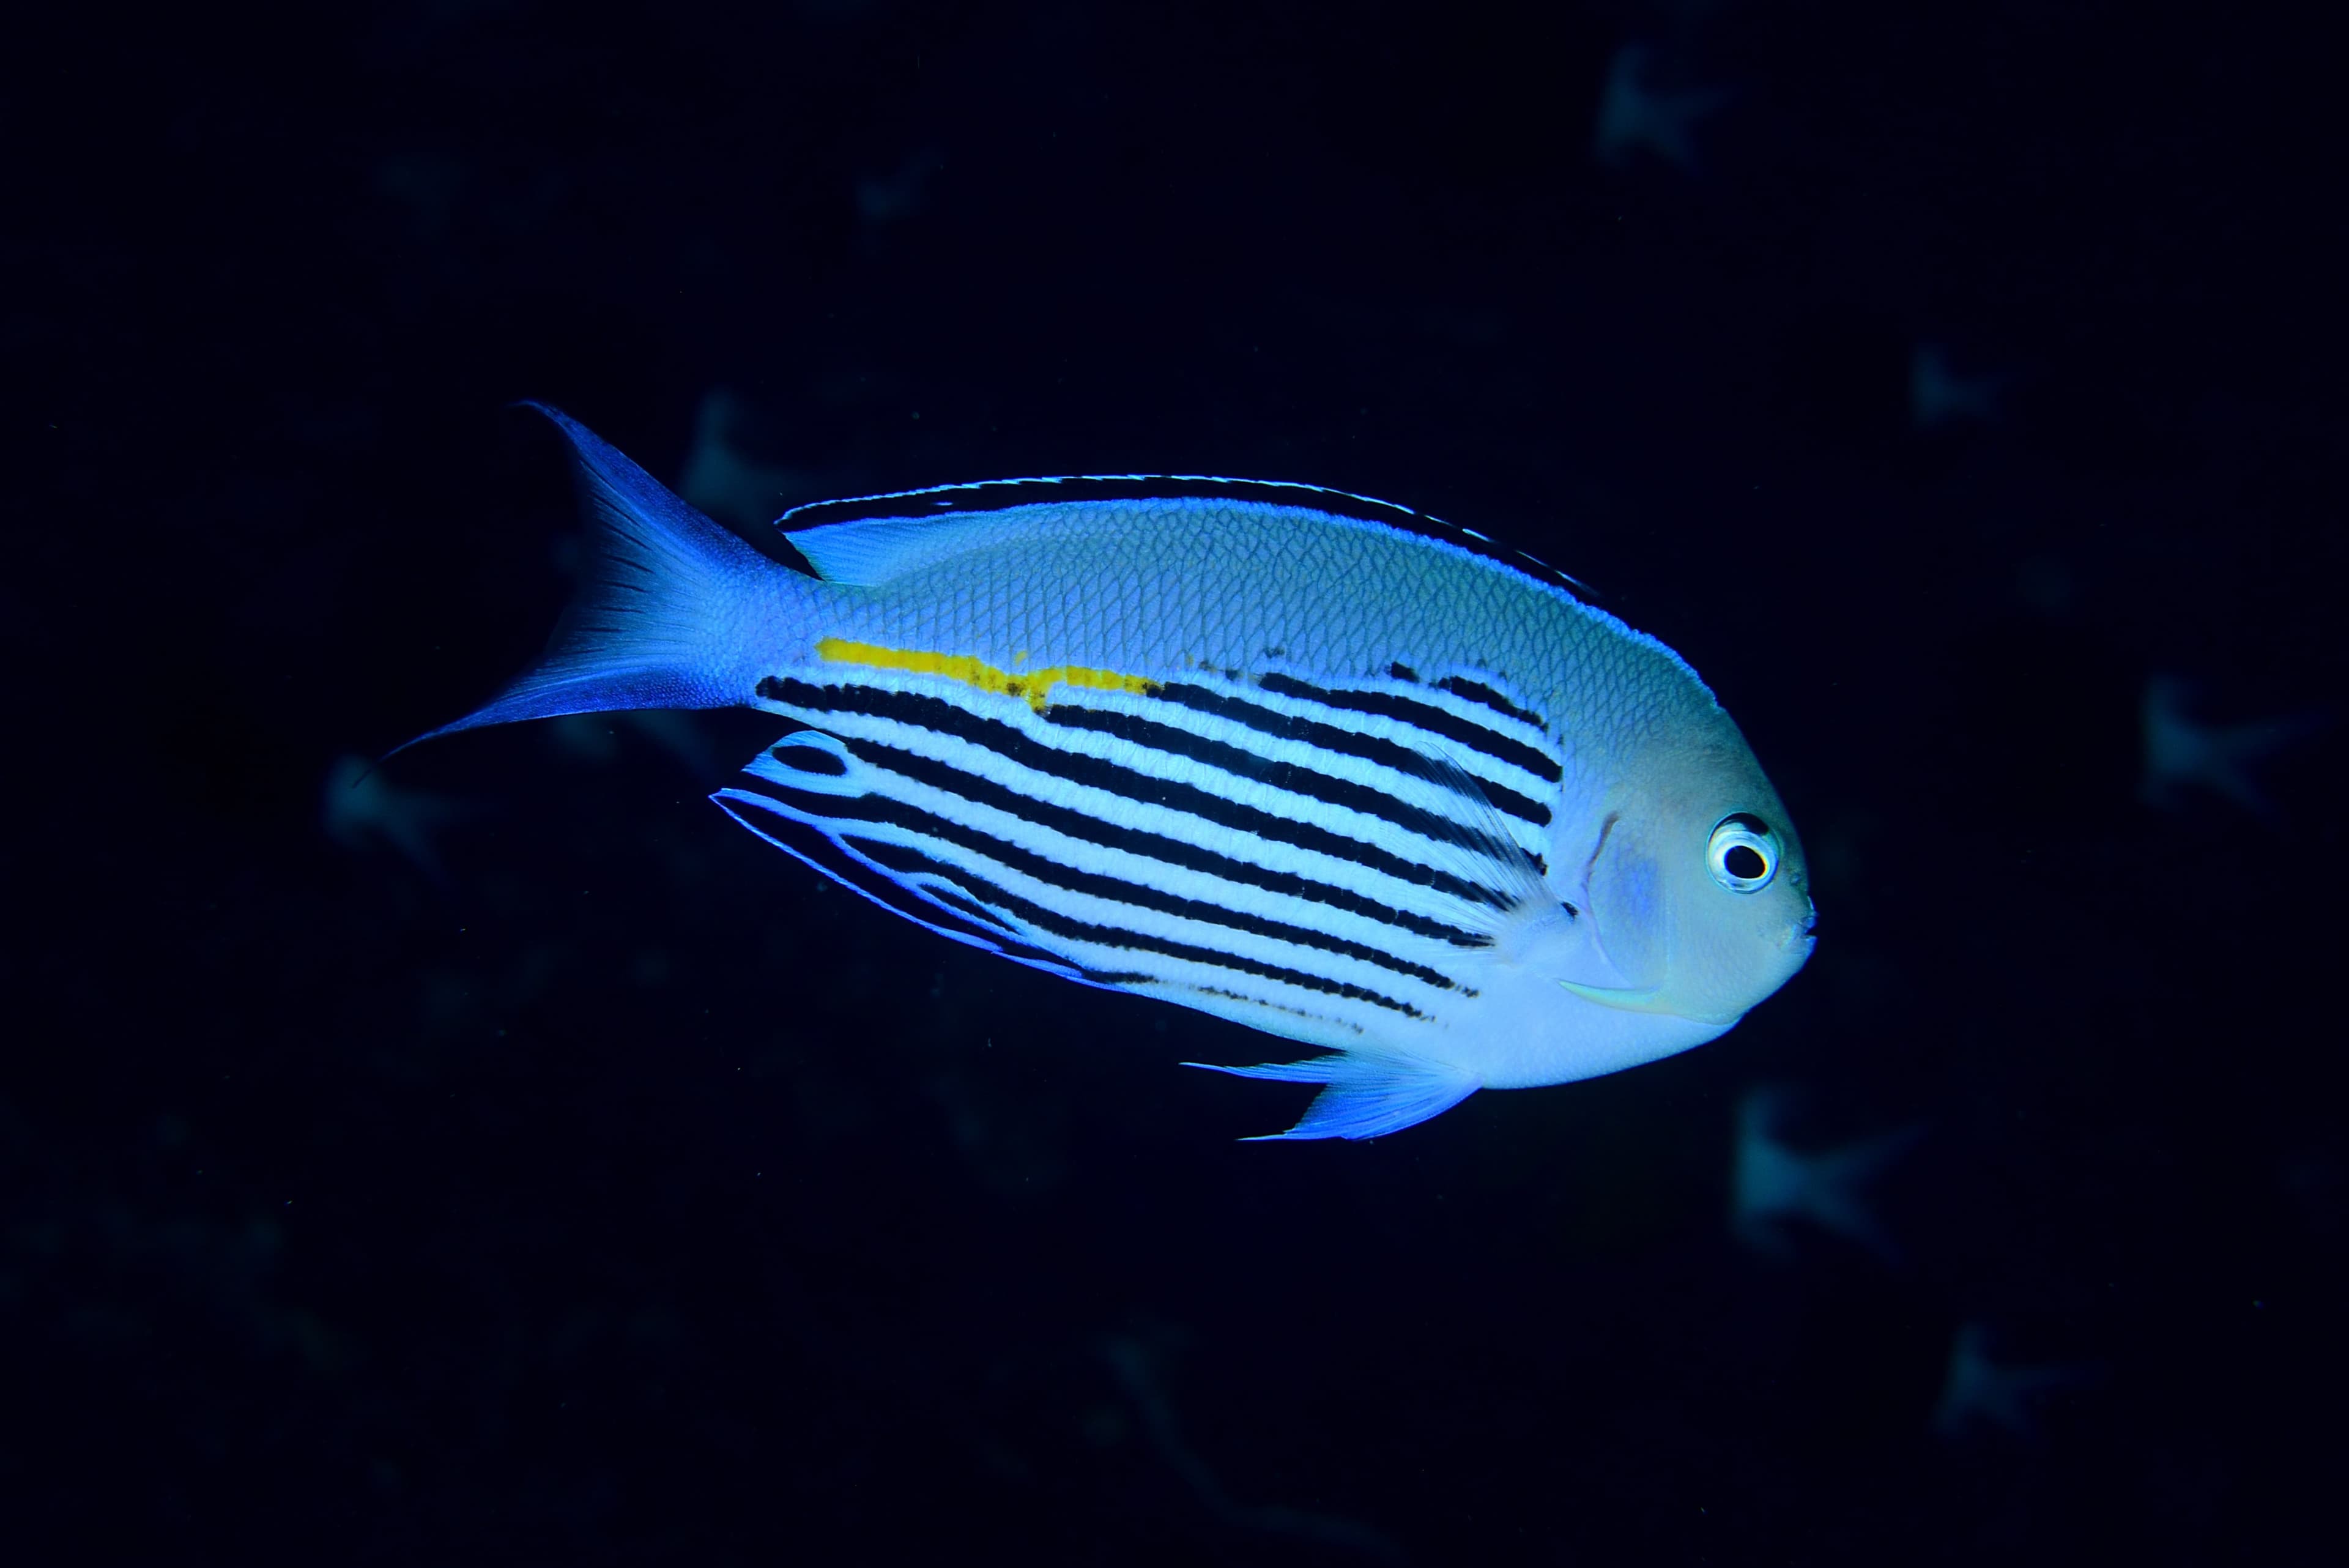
<point x="942" y="503"/>
<point x="1365" y="1093"/>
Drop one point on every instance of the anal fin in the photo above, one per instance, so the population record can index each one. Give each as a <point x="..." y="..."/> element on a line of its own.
<point x="1365" y="1093"/>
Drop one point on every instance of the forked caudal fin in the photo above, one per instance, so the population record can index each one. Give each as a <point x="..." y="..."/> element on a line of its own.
<point x="1367" y="1095"/>
<point x="666" y="610"/>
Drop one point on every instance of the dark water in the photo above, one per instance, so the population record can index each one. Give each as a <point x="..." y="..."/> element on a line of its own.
<point x="595" y="1185"/>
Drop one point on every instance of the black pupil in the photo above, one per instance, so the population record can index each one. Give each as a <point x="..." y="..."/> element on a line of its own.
<point x="1744" y="862"/>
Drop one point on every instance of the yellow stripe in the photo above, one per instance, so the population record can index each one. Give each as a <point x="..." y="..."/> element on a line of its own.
<point x="1035" y="685"/>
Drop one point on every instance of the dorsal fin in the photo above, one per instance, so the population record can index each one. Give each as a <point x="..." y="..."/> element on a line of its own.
<point x="869" y="551"/>
<point x="869" y="539"/>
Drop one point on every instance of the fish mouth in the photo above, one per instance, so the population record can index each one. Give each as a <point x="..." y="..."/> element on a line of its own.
<point x="1804" y="937"/>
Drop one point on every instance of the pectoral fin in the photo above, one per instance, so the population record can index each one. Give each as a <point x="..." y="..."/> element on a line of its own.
<point x="1366" y="1095"/>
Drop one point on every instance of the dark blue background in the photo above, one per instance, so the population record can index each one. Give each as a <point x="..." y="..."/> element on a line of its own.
<point x="627" y="1195"/>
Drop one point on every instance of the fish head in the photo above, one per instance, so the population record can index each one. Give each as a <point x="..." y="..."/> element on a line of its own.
<point x="1691" y="903"/>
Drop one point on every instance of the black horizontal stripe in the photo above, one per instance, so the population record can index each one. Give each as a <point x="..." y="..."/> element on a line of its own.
<point x="1070" y="824"/>
<point x="1274" y="1006"/>
<point x="816" y="847"/>
<point x="808" y="760"/>
<point x="882" y="809"/>
<point x="941" y="717"/>
<point x="1477" y="691"/>
<point x="1373" y="749"/>
<point x="1426" y="716"/>
<point x="1173" y="740"/>
<point x="908" y="861"/>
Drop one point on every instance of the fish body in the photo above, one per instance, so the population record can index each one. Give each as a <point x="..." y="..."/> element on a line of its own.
<point x="1312" y="763"/>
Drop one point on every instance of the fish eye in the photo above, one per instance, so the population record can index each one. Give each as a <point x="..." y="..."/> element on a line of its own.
<point x="1744" y="854"/>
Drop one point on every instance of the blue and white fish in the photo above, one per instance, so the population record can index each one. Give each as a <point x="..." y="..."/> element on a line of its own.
<point x="1312" y="763"/>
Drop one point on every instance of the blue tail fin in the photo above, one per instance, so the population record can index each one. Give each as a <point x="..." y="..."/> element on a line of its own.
<point x="665" y="599"/>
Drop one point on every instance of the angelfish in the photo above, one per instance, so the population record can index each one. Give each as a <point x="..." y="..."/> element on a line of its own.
<point x="1314" y="763"/>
